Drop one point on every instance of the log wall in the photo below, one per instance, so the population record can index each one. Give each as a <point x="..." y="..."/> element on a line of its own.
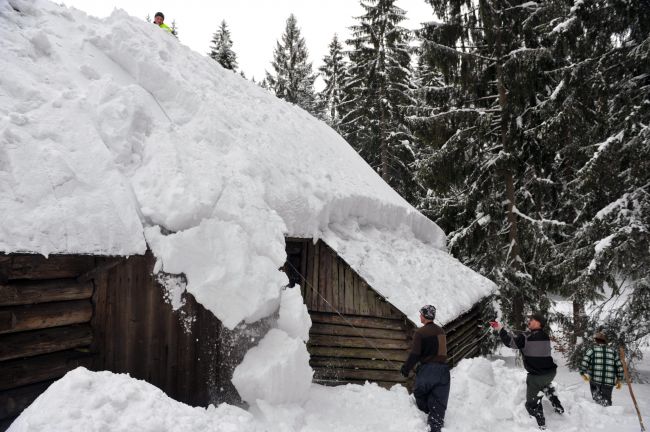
<point x="356" y="334"/>
<point x="45" y="314"/>
<point x="107" y="313"/>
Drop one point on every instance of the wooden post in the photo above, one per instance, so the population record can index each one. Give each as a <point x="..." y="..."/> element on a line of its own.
<point x="629" y="386"/>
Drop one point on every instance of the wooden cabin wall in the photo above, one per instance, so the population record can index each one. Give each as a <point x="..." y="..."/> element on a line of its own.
<point x="45" y="314"/>
<point x="187" y="353"/>
<point x="357" y="335"/>
<point x="108" y="314"/>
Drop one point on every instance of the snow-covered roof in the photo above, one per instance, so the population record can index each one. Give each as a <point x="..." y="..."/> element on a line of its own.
<point x="114" y="134"/>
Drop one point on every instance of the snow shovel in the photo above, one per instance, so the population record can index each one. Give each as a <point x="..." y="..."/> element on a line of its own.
<point x="629" y="386"/>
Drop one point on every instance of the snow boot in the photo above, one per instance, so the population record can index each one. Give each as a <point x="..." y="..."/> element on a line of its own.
<point x="535" y="410"/>
<point x="557" y="406"/>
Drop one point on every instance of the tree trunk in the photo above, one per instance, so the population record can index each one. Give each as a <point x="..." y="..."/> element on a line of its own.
<point x="578" y="321"/>
<point x="513" y="256"/>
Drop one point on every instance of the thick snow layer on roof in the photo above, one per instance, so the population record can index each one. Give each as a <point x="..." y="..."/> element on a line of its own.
<point x="112" y="133"/>
<point x="406" y="271"/>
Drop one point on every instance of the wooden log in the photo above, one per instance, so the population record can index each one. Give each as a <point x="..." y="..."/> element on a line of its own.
<point x="37" y="267"/>
<point x="43" y="292"/>
<point x="33" y="343"/>
<point x="333" y="383"/>
<point x="45" y="315"/>
<point x="20" y="372"/>
<point x="472" y="314"/>
<point x="357" y="321"/>
<point x="467" y="338"/>
<point x="363" y="353"/>
<point x="462" y="334"/>
<point x="346" y="330"/>
<point x="357" y="342"/>
<point x="14" y="401"/>
<point x="325" y="362"/>
<point x="315" y="287"/>
<point x="358" y="374"/>
<point x="467" y="353"/>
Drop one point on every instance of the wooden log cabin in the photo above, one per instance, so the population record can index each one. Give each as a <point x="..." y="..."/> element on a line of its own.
<point x="356" y="334"/>
<point x="110" y="313"/>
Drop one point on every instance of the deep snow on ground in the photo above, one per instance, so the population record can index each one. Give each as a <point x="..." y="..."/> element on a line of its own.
<point x="486" y="395"/>
<point x="113" y="133"/>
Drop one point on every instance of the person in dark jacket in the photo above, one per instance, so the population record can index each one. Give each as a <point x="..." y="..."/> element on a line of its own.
<point x="432" y="380"/>
<point x="601" y="367"/>
<point x="535" y="346"/>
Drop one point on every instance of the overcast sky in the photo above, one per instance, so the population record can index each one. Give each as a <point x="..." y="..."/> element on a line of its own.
<point x="255" y="25"/>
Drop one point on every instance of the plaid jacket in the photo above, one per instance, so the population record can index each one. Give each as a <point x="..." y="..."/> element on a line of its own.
<point x="602" y="364"/>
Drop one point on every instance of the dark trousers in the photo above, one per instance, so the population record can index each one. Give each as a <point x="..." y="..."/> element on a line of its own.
<point x="536" y="387"/>
<point x="601" y="393"/>
<point x="431" y="392"/>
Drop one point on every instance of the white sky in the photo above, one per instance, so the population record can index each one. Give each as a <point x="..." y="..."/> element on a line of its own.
<point x="255" y="25"/>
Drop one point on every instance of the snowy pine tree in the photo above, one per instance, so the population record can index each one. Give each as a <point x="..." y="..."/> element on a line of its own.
<point x="221" y="47"/>
<point x="174" y="28"/>
<point x="334" y="73"/>
<point x="602" y="110"/>
<point x="489" y="174"/>
<point x="378" y="93"/>
<point x="292" y="78"/>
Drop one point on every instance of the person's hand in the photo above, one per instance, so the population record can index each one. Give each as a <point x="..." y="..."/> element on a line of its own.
<point x="404" y="372"/>
<point x="619" y="384"/>
<point x="586" y="377"/>
<point x="496" y="325"/>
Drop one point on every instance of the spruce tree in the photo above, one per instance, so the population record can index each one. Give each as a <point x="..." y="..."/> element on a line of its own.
<point x="292" y="78"/>
<point x="221" y="48"/>
<point x="334" y="73"/>
<point x="488" y="172"/>
<point x="174" y="28"/>
<point x="378" y="93"/>
<point x="603" y="112"/>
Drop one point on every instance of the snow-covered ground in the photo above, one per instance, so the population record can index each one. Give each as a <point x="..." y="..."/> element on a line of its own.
<point x="486" y="395"/>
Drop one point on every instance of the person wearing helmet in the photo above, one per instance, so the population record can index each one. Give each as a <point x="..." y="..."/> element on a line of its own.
<point x="601" y="367"/>
<point x="432" y="380"/>
<point x="535" y="346"/>
<point x="159" y="20"/>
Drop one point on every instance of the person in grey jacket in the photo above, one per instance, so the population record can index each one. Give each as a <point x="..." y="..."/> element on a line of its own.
<point x="535" y="346"/>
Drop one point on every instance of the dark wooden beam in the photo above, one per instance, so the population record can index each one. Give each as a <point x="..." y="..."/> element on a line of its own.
<point x="44" y="315"/>
<point x="43" y="292"/>
<point x="33" y="343"/>
<point x="21" y="372"/>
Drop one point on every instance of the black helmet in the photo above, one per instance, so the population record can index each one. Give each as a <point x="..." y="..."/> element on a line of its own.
<point x="539" y="318"/>
<point x="160" y="14"/>
<point x="428" y="312"/>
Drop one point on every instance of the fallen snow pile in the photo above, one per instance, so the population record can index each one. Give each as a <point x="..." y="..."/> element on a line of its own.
<point x="115" y="135"/>
<point x="486" y="396"/>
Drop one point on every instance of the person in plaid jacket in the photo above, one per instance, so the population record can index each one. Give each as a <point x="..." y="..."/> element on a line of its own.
<point x="601" y="367"/>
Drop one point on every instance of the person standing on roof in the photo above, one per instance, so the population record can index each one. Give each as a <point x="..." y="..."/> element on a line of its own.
<point x="601" y="367"/>
<point x="535" y="346"/>
<point x="159" y="20"/>
<point x="432" y="379"/>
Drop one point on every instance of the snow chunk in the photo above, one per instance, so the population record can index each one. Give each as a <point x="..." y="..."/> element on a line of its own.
<point x="276" y="371"/>
<point x="85" y="401"/>
<point x="294" y="317"/>
<point x="219" y="258"/>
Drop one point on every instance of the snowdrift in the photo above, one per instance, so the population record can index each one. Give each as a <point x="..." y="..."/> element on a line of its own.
<point x="116" y="137"/>
<point x="485" y="396"/>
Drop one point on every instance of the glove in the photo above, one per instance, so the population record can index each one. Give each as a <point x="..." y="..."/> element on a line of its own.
<point x="619" y="384"/>
<point x="404" y="372"/>
<point x="496" y="325"/>
<point x="586" y="377"/>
